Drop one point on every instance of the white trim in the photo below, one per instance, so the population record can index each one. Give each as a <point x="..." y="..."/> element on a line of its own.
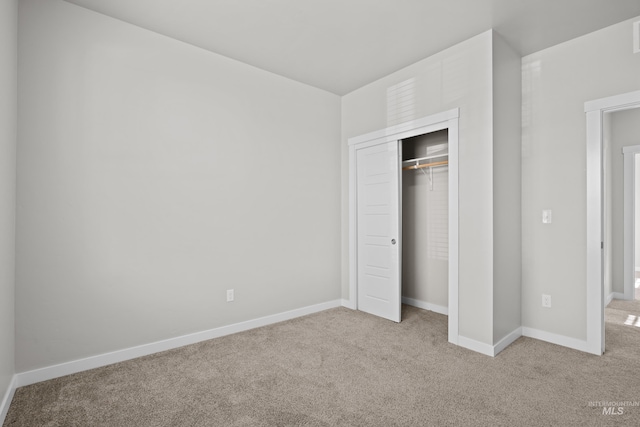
<point x="507" y="340"/>
<point x="454" y="225"/>
<point x="390" y="137"/>
<point x="629" y="227"/>
<point x="612" y="296"/>
<point x="552" y="338"/>
<point x="631" y="149"/>
<point x="426" y="305"/>
<point x="636" y="37"/>
<point x="468" y="342"/>
<point x="595" y="293"/>
<point x="55" y="371"/>
<point x="595" y="300"/>
<point x="477" y="346"/>
<point x="624" y="101"/>
<point x="393" y="132"/>
<point x="353" y="230"/>
<point x="488" y="349"/>
<point x="445" y="120"/>
<point x="6" y="400"/>
<point x="347" y="303"/>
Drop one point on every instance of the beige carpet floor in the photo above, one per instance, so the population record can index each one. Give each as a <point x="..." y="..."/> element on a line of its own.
<point x="348" y="368"/>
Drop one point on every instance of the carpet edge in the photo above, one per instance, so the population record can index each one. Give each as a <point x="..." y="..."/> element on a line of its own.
<point x="67" y="368"/>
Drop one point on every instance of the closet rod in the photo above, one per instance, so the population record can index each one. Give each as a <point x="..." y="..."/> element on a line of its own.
<point x="426" y="165"/>
<point x="419" y="159"/>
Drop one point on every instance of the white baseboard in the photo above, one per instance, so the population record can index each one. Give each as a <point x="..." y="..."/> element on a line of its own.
<point x="50" y="372"/>
<point x="488" y="349"/>
<point x="573" y="343"/>
<point x="506" y="341"/>
<point x="348" y="304"/>
<point x="426" y="305"/>
<point x="477" y="346"/>
<point x="608" y="299"/>
<point x="612" y="296"/>
<point x="6" y="400"/>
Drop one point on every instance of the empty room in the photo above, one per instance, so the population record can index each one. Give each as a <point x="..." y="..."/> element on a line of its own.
<point x="321" y="213"/>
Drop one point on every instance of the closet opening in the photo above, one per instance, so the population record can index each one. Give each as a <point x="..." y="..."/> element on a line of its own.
<point x="425" y="221"/>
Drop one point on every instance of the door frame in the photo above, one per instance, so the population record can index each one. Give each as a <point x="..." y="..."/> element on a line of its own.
<point x="629" y="197"/>
<point x="595" y="111"/>
<point x="433" y="123"/>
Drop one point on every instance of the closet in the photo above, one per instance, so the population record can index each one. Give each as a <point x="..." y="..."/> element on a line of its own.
<point x="403" y="219"/>
<point x="425" y="221"/>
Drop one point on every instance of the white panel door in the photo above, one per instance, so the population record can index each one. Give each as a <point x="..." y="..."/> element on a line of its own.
<point x="378" y="225"/>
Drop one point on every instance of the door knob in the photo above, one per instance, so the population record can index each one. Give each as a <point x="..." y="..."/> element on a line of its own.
<point x="393" y="241"/>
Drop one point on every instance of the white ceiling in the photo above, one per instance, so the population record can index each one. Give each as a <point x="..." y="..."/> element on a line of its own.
<point x="341" y="45"/>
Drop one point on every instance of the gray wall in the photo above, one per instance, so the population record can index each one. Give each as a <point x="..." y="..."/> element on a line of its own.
<point x="8" y="122"/>
<point x="152" y="177"/>
<point x="556" y="84"/>
<point x="507" y="189"/>
<point x="625" y="131"/>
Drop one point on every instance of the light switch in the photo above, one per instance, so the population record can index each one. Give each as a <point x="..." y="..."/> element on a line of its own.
<point x="546" y="217"/>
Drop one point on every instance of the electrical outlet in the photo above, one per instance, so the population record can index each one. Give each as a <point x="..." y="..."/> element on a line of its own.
<point x="546" y="301"/>
<point x="229" y="295"/>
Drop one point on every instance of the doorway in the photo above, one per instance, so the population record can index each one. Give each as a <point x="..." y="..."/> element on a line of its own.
<point x="621" y="136"/>
<point x="595" y="297"/>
